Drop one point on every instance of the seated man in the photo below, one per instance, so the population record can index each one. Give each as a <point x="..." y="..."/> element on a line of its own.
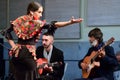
<point x="47" y="53"/>
<point x="100" y="60"/>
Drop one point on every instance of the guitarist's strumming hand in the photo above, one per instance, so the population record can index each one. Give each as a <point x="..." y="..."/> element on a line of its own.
<point x="96" y="63"/>
<point x="86" y="66"/>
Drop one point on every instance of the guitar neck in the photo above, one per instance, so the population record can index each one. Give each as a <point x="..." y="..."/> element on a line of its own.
<point x="49" y="64"/>
<point x="42" y="66"/>
<point x="53" y="64"/>
<point x="111" y="40"/>
<point x="97" y="53"/>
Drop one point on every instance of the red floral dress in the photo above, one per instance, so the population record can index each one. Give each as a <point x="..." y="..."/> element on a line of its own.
<point x="25" y="28"/>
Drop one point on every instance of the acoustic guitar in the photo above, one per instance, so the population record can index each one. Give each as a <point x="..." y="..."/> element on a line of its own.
<point x="90" y="59"/>
<point x="41" y="62"/>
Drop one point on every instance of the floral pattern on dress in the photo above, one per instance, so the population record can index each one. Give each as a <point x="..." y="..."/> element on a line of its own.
<point x="26" y="28"/>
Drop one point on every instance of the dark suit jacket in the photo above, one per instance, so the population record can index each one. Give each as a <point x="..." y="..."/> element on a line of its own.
<point x="57" y="56"/>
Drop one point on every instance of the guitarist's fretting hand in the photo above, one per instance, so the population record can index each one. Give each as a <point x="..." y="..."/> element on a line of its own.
<point x="101" y="53"/>
<point x="48" y="68"/>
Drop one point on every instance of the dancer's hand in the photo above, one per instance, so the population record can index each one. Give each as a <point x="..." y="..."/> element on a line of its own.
<point x="78" y="20"/>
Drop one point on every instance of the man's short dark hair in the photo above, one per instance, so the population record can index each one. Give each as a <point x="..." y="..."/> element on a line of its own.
<point x="96" y="32"/>
<point x="48" y="34"/>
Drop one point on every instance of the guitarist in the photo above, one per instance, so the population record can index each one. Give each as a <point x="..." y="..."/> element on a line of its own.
<point x="52" y="54"/>
<point x="105" y="63"/>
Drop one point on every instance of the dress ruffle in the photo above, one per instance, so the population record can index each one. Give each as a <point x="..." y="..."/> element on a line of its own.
<point x="26" y="28"/>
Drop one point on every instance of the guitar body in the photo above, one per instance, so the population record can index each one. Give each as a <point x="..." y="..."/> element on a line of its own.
<point x="40" y="63"/>
<point x="88" y="61"/>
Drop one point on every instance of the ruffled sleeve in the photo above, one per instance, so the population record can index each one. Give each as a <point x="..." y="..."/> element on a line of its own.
<point x="50" y="26"/>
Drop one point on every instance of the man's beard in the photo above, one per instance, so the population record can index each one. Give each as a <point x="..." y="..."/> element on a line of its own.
<point x="94" y="43"/>
<point x="46" y="46"/>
